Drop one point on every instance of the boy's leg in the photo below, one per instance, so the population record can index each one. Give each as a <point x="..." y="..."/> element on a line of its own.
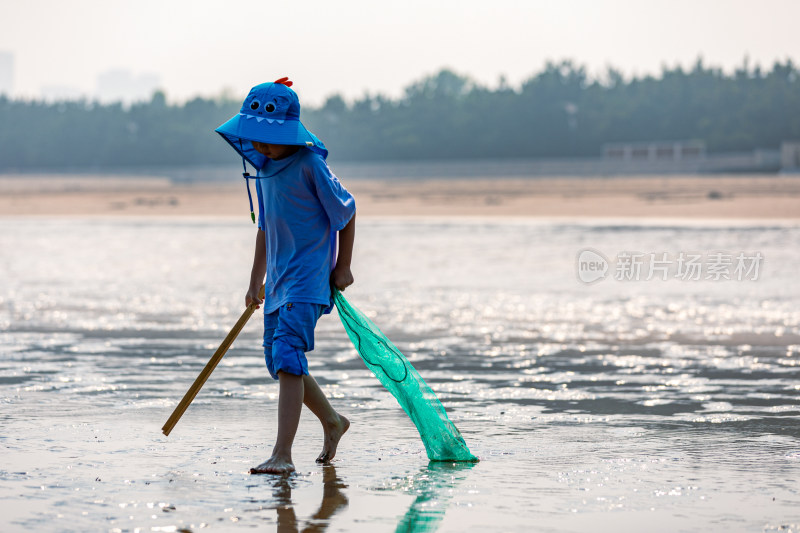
<point x="290" y="400"/>
<point x="290" y="403"/>
<point x="288" y="334"/>
<point x="334" y="425"/>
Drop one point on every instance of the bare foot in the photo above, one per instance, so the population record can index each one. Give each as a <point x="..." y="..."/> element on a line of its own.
<point x="333" y="432"/>
<point x="274" y="465"/>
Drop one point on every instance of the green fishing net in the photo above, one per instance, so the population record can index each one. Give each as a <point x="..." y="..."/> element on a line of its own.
<point x="443" y="441"/>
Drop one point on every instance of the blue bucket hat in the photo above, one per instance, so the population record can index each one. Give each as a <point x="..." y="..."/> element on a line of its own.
<point x="270" y="114"/>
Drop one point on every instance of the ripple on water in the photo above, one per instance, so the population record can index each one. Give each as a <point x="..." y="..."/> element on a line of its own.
<point x="612" y="400"/>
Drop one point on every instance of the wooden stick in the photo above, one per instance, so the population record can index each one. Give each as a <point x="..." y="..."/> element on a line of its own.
<point x="210" y="366"/>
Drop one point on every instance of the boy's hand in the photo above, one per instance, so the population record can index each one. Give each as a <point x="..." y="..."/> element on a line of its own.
<point x="342" y="277"/>
<point x="252" y="297"/>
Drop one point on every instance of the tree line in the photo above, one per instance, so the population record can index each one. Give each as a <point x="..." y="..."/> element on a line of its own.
<point x="559" y="111"/>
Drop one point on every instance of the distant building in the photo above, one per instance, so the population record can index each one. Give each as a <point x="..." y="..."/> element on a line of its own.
<point x="681" y="157"/>
<point x="6" y="73"/>
<point x="661" y="151"/>
<point x="55" y="92"/>
<point x="122" y="85"/>
<point x="790" y="156"/>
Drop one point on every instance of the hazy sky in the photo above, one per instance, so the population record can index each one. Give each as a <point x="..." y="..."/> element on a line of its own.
<point x="200" y="47"/>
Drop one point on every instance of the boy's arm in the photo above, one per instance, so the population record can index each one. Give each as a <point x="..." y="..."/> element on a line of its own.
<point x="341" y="276"/>
<point x="259" y="270"/>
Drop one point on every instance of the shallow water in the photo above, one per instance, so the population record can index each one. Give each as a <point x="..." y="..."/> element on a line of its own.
<point x="616" y="406"/>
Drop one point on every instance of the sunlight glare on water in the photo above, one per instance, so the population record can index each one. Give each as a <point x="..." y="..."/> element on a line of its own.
<point x="626" y="406"/>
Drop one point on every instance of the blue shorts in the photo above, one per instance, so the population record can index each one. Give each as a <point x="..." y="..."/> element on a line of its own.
<point x="288" y="335"/>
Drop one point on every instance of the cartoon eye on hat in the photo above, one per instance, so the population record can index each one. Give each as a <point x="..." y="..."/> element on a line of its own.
<point x="254" y="105"/>
<point x="269" y="107"/>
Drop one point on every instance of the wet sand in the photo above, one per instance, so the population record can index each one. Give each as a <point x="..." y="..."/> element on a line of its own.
<point x="617" y="406"/>
<point x="621" y="405"/>
<point x="694" y="197"/>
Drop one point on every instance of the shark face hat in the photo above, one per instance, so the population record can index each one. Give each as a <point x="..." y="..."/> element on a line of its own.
<point x="270" y="114"/>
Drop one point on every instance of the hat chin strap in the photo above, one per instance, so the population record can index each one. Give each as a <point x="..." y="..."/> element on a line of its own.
<point x="246" y="175"/>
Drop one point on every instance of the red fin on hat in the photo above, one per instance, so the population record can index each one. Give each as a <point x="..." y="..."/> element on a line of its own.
<point x="284" y="81"/>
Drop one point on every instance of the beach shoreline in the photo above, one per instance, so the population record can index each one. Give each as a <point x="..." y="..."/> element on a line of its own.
<point x="675" y="196"/>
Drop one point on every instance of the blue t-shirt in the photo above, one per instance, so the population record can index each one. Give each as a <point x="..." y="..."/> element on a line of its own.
<point x="301" y="206"/>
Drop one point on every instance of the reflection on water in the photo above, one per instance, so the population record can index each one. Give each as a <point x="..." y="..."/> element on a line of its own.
<point x="333" y="500"/>
<point x="434" y="487"/>
<point x="616" y="406"/>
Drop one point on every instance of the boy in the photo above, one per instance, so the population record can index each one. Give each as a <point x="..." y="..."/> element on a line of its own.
<point x="301" y="207"/>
